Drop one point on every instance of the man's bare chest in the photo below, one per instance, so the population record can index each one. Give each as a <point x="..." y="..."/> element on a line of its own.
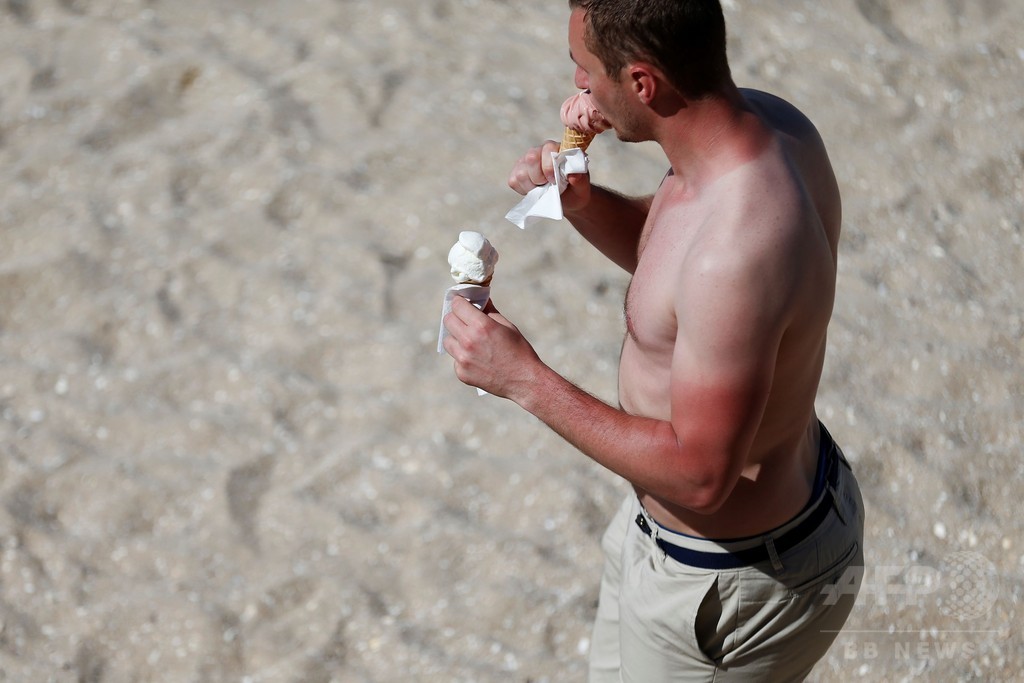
<point x="666" y="244"/>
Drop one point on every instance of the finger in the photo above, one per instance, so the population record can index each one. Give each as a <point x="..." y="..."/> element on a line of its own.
<point x="458" y="317"/>
<point x="468" y="314"/>
<point x="533" y="164"/>
<point x="451" y="345"/>
<point x="527" y="173"/>
<point x="464" y="309"/>
<point x="494" y="314"/>
<point x="502" y="320"/>
<point x="521" y="180"/>
<point x="579" y="183"/>
<point x="547" y="162"/>
<point x="455" y="329"/>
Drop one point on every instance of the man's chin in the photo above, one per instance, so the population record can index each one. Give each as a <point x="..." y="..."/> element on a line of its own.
<point x="626" y="136"/>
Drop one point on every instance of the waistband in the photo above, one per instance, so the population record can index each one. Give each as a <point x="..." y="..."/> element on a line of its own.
<point x="708" y="553"/>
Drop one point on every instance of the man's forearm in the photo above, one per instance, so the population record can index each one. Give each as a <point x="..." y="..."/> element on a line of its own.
<point x="644" y="451"/>
<point x="612" y="222"/>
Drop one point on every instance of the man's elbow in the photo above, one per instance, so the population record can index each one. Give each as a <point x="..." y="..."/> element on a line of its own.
<point x="708" y="496"/>
<point x="709" y="500"/>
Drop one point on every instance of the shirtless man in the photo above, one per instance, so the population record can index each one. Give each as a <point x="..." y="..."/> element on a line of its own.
<point x="745" y="511"/>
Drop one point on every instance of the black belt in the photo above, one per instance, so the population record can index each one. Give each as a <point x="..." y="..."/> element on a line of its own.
<point x="745" y="557"/>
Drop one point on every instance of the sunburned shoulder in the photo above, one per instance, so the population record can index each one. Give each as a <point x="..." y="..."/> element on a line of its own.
<point x="760" y="215"/>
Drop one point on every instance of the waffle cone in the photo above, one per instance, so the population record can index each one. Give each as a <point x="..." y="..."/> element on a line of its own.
<point x="574" y="139"/>
<point x="485" y="283"/>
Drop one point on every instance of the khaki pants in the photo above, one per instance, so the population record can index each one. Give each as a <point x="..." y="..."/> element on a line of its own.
<point x="659" y="620"/>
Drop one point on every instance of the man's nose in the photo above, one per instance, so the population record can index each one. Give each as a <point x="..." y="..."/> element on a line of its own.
<point x="581" y="79"/>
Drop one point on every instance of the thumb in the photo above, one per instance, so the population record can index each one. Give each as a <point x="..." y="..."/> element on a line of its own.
<point x="494" y="314"/>
<point x="492" y="311"/>
<point x="577" y="191"/>
<point x="577" y="180"/>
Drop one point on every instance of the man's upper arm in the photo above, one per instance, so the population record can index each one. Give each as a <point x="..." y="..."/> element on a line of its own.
<point x="730" y="324"/>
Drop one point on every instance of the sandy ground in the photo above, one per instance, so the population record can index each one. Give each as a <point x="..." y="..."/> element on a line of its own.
<point x="230" y="451"/>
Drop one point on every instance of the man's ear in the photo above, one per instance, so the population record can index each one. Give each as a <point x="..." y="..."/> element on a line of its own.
<point x="643" y="80"/>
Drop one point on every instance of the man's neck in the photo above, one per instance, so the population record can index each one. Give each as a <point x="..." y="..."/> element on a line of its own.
<point x="708" y="138"/>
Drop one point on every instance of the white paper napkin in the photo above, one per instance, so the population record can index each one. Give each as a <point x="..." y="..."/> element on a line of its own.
<point x="476" y="295"/>
<point x="545" y="201"/>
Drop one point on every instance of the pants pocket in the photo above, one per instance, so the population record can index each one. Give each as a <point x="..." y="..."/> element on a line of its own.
<point x="829" y="573"/>
<point x="714" y="624"/>
<point x="669" y="623"/>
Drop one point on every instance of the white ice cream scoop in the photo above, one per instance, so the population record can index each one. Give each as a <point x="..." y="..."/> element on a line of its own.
<point x="472" y="259"/>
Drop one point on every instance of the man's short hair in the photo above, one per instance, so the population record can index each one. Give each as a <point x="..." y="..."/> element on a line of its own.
<point x="685" y="39"/>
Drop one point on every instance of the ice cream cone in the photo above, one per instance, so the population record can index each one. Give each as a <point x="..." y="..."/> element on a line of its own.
<point x="574" y="139"/>
<point x="474" y="283"/>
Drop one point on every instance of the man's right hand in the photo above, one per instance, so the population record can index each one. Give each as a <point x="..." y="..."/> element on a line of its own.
<point x="536" y="168"/>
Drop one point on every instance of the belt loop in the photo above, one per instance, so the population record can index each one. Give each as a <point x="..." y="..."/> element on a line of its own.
<point x="835" y="503"/>
<point x="769" y="543"/>
<point x="651" y="529"/>
<point x="657" y="542"/>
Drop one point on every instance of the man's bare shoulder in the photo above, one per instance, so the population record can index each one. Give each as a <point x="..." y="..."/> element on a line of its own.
<point x="757" y="243"/>
<point x="781" y="115"/>
<point x="804" y="151"/>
